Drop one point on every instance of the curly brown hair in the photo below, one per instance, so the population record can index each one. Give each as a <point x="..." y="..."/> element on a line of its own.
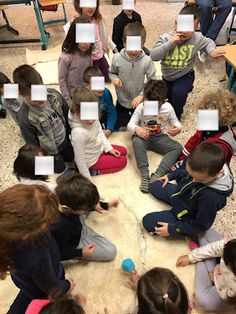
<point x="223" y="100"/>
<point x="26" y="212"/>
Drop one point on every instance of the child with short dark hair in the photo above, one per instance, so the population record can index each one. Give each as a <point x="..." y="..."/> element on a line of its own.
<point x="62" y="305"/>
<point x="177" y="52"/>
<point x="218" y="293"/>
<point x="225" y="102"/>
<point x="127" y="72"/>
<point x="149" y="133"/>
<point x="159" y="290"/>
<point x="93" y="153"/>
<point x="78" y="196"/>
<point x="44" y="123"/>
<point x="125" y="17"/>
<point x="200" y="192"/>
<point x="27" y="248"/>
<point x="73" y="61"/>
<point x="107" y="112"/>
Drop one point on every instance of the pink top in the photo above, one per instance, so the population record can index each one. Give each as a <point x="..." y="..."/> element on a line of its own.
<point x="36" y="306"/>
<point x="98" y="50"/>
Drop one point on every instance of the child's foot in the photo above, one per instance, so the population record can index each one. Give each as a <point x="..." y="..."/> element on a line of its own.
<point x="154" y="177"/>
<point x="113" y="203"/>
<point x="144" y="184"/>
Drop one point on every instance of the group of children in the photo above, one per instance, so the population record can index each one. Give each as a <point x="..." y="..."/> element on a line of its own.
<point x="43" y="223"/>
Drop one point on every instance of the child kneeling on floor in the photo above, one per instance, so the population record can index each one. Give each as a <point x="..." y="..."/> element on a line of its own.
<point x="201" y="191"/>
<point x="219" y="293"/>
<point x="149" y="133"/>
<point x="77" y="197"/>
<point x="92" y="150"/>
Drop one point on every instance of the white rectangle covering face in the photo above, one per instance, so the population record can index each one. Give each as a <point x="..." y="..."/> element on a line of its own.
<point x="208" y="120"/>
<point x="133" y="43"/>
<point x="44" y="165"/>
<point x="85" y="33"/>
<point x="38" y="92"/>
<point x="97" y="83"/>
<point x="185" y="23"/>
<point x="88" y="3"/>
<point x="151" y="108"/>
<point x="128" y="5"/>
<point x="10" y="91"/>
<point x="89" y="110"/>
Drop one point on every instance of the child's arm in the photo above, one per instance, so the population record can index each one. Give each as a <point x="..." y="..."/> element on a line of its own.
<point x="162" y="47"/>
<point x="151" y="70"/>
<point x="111" y="111"/>
<point x="114" y="72"/>
<point x="63" y="69"/>
<point x="174" y="123"/>
<point x="210" y="47"/>
<point x="117" y="34"/>
<point x="191" y="144"/>
<point x="107" y="147"/>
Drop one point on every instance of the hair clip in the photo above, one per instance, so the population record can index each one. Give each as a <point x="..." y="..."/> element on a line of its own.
<point x="165" y="296"/>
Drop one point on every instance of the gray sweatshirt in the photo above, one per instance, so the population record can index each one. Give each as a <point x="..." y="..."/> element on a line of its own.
<point x="132" y="73"/>
<point x="178" y="59"/>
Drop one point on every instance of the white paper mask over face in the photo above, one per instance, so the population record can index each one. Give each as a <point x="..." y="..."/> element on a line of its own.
<point x="88" y="3"/>
<point x="208" y="120"/>
<point x="151" y="108"/>
<point x="85" y="33"/>
<point x="38" y="92"/>
<point x="128" y="5"/>
<point x="97" y="83"/>
<point x="89" y="111"/>
<point x="133" y="43"/>
<point x="11" y="91"/>
<point x="185" y="23"/>
<point x="44" y="165"/>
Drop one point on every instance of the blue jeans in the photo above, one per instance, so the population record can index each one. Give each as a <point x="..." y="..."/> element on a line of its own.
<point x="178" y="91"/>
<point x="211" y="27"/>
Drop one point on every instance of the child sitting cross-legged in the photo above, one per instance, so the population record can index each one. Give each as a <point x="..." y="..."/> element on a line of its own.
<point x="92" y="150"/>
<point x="78" y="196"/>
<point x="200" y="192"/>
<point x="149" y="133"/>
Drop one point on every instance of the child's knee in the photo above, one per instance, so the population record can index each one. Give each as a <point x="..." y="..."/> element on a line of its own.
<point x="205" y="303"/>
<point x="148" y="223"/>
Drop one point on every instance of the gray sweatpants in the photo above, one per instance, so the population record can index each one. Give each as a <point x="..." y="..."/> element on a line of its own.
<point x="161" y="144"/>
<point x="104" y="251"/>
<point x="206" y="294"/>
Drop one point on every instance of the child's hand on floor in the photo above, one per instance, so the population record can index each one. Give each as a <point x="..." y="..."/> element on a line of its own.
<point x="115" y="153"/>
<point x="117" y="82"/>
<point x="165" y="179"/>
<point x="183" y="261"/>
<point x="141" y="132"/>
<point x="107" y="132"/>
<point x="133" y="279"/>
<point x="99" y="208"/>
<point x="136" y="101"/>
<point x="173" y="131"/>
<point x="216" y="53"/>
<point x="80" y="299"/>
<point x="113" y="203"/>
<point x="88" y="250"/>
<point x="163" y="230"/>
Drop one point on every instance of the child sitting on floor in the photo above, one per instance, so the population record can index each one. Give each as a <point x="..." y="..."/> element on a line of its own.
<point x="107" y="114"/>
<point x="92" y="150"/>
<point x="127" y="72"/>
<point x="177" y="52"/>
<point x="159" y="291"/>
<point x="149" y="133"/>
<point x="77" y="197"/>
<point x="219" y="293"/>
<point x="201" y="191"/>
<point x="225" y="102"/>
<point x="75" y="58"/>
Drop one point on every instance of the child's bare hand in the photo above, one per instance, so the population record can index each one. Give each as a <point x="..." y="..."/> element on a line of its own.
<point x="176" y="38"/>
<point x="80" y="298"/>
<point x="165" y="179"/>
<point x="142" y="132"/>
<point x="163" y="230"/>
<point x="99" y="208"/>
<point x="117" y="82"/>
<point x="72" y="285"/>
<point x="217" y="52"/>
<point x="88" y="250"/>
<point x="136" y="101"/>
<point x="133" y="279"/>
<point x="107" y="132"/>
<point x="183" y="261"/>
<point x="115" y="153"/>
<point x="113" y="203"/>
<point x="174" y="131"/>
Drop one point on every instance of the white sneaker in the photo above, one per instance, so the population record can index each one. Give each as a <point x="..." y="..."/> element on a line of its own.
<point x="202" y="56"/>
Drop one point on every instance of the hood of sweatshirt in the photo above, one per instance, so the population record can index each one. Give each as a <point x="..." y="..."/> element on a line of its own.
<point x="225" y="183"/>
<point x="126" y="57"/>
